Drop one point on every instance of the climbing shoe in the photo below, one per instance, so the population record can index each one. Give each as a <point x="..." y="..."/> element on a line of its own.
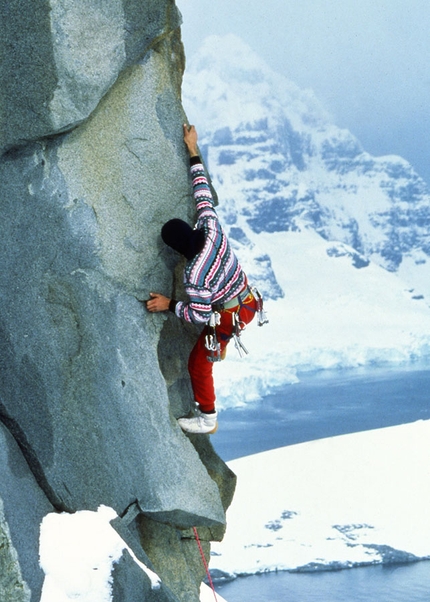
<point x="201" y="423"/>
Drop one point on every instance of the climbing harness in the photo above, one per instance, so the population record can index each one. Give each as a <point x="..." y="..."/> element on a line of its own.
<point x="205" y="564"/>
<point x="211" y="341"/>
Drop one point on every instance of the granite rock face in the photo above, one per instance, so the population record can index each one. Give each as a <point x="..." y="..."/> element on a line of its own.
<point x="93" y="164"/>
<point x="61" y="57"/>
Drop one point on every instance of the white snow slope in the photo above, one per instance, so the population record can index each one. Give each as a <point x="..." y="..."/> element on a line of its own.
<point x="333" y="316"/>
<point x="332" y="503"/>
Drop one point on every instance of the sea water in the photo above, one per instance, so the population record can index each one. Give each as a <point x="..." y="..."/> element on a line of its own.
<point x="395" y="583"/>
<point x="321" y="406"/>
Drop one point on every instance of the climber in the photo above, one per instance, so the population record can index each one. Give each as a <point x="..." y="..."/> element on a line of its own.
<point x="217" y="287"/>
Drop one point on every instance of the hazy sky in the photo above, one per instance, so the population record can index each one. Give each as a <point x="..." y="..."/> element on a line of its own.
<point x="368" y="61"/>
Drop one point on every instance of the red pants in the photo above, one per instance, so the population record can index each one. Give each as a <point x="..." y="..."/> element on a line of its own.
<point x="200" y="368"/>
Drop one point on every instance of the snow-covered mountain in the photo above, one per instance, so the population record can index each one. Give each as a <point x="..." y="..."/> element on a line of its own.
<point x="329" y="233"/>
<point x="279" y="164"/>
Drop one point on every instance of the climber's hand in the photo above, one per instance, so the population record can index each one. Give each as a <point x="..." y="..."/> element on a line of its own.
<point x="190" y="139"/>
<point x="157" y="302"/>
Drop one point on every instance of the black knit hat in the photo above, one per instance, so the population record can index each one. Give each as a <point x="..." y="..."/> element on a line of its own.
<point x="182" y="238"/>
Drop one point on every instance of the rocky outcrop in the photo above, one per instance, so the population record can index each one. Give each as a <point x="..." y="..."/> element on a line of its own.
<point x="93" y="164"/>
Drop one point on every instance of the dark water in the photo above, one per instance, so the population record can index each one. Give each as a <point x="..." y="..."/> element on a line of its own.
<point x="404" y="583"/>
<point x="317" y="407"/>
<point x="323" y="406"/>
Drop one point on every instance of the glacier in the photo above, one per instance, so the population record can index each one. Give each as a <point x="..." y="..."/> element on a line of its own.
<point x="338" y="241"/>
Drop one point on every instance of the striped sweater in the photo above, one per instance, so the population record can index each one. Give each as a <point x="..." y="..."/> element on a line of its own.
<point x="213" y="275"/>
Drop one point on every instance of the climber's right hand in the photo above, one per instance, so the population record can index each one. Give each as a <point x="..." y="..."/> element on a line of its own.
<point x="190" y="139"/>
<point x="157" y="302"/>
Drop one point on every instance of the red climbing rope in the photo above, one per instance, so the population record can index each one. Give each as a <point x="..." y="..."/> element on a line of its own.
<point x="196" y="535"/>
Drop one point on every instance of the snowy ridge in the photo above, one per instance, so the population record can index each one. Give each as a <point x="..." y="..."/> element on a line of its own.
<point x="274" y="151"/>
<point x="338" y="240"/>
<point x="342" y="502"/>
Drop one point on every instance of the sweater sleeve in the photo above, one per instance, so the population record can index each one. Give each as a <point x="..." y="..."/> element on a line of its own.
<point x="197" y="311"/>
<point x="201" y="190"/>
<point x="198" y="308"/>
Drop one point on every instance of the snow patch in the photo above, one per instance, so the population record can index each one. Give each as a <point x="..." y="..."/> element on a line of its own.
<point x="77" y="554"/>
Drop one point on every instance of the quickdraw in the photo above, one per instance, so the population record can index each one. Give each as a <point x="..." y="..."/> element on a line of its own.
<point x="238" y="326"/>
<point x="211" y="341"/>
<point x="261" y="314"/>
